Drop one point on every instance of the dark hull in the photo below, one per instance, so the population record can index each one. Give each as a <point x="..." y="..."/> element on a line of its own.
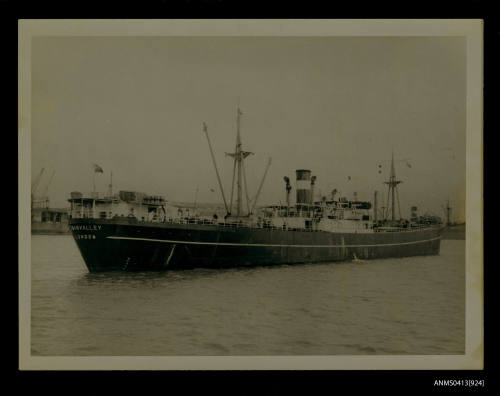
<point x="125" y="244"/>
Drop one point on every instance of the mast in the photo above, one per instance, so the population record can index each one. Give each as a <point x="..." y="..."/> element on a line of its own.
<point x="393" y="183"/>
<point x="238" y="150"/>
<point x="110" y="191"/>
<point x="393" y="176"/>
<point x="195" y="198"/>
<point x="239" y="155"/>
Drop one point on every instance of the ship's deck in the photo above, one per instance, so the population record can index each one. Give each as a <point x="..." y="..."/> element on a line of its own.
<point x="242" y="224"/>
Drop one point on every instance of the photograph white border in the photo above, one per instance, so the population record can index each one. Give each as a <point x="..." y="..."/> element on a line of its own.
<point x="471" y="29"/>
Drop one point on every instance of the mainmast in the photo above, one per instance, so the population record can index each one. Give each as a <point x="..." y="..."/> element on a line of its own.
<point x="393" y="183"/>
<point x="239" y="155"/>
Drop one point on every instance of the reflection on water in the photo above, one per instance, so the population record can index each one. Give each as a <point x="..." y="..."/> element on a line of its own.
<point x="395" y="306"/>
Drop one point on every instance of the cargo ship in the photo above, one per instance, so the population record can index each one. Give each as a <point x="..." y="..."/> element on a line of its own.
<point x="44" y="219"/>
<point x="134" y="231"/>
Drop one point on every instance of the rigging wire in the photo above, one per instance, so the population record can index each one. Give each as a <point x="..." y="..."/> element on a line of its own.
<point x="246" y="186"/>
<point x="215" y="165"/>
<point x="399" y="206"/>
<point x="232" y="185"/>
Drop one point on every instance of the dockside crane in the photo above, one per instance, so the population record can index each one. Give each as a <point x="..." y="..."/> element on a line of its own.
<point x="46" y="188"/>
<point x="36" y="182"/>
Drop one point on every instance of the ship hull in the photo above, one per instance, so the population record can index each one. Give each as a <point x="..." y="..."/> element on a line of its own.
<point x="125" y="244"/>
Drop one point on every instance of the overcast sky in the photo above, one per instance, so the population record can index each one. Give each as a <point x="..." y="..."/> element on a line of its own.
<point x="335" y="105"/>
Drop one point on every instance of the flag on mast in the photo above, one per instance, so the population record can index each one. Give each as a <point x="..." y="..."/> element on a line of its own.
<point x="98" y="169"/>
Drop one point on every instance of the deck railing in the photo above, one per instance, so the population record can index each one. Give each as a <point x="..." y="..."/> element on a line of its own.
<point x="77" y="213"/>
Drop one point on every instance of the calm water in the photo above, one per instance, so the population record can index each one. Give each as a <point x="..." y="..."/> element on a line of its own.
<point x="393" y="306"/>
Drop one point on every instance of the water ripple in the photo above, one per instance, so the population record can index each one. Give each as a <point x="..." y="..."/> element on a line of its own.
<point x="379" y="307"/>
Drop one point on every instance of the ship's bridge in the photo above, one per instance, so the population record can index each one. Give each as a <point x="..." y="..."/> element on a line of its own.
<point x="322" y="215"/>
